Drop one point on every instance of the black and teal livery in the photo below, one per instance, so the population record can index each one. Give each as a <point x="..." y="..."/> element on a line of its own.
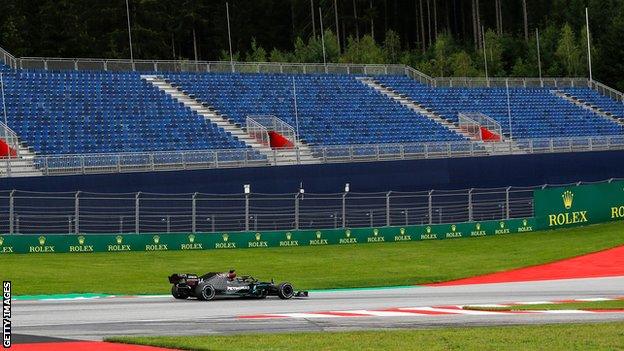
<point x="210" y="285"/>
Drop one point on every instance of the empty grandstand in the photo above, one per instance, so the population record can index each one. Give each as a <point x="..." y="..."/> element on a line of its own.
<point x="114" y="118"/>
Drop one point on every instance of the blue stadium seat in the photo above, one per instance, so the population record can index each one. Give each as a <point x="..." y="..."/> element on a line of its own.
<point x="86" y="112"/>
<point x="535" y="112"/>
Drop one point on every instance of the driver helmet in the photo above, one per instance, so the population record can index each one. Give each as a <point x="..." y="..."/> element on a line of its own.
<point x="232" y="274"/>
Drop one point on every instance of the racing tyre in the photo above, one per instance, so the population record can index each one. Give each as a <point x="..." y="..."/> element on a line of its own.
<point x="178" y="294"/>
<point x="285" y="291"/>
<point x="205" y="292"/>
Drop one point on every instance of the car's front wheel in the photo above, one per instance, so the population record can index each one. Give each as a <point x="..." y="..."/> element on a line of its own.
<point x="178" y="294"/>
<point x="285" y="291"/>
<point x="205" y="292"/>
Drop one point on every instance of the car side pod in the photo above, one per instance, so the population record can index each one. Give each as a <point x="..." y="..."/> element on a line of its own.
<point x="301" y="294"/>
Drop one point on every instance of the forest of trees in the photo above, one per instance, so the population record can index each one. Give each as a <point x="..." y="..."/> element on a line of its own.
<point x="438" y="37"/>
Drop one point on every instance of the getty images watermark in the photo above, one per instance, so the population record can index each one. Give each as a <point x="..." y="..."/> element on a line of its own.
<point x="6" y="314"/>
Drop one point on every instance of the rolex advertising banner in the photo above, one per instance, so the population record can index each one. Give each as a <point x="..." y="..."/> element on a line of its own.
<point x="579" y="205"/>
<point x="83" y="243"/>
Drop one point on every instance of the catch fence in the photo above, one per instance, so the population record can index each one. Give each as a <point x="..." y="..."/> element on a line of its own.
<point x="23" y="212"/>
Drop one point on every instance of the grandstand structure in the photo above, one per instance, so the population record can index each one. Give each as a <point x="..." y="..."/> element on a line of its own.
<point x="79" y="116"/>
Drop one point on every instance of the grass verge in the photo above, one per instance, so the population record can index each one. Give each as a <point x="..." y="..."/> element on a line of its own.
<point x="592" y="305"/>
<point x="338" y="266"/>
<point x="564" y="337"/>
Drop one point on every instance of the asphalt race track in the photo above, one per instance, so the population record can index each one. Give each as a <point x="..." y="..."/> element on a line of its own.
<point x="93" y="319"/>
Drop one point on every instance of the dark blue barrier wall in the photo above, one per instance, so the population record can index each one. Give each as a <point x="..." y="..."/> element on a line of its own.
<point x="458" y="173"/>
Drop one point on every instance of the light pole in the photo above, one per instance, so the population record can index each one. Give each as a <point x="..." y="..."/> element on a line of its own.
<point x="227" y="11"/>
<point x="487" y="80"/>
<point x="323" y="40"/>
<point x="509" y="109"/>
<point x="296" y="111"/>
<point x="539" y="58"/>
<point x="589" y="63"/>
<point x="6" y="123"/>
<point x="337" y="31"/>
<point x="129" y="34"/>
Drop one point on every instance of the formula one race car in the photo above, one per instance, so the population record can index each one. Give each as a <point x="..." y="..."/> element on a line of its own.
<point x="209" y="285"/>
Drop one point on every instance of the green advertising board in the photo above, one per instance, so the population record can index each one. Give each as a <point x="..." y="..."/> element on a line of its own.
<point x="223" y="241"/>
<point x="579" y="205"/>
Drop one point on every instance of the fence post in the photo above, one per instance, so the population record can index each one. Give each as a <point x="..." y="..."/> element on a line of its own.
<point x="136" y="212"/>
<point x="507" y="202"/>
<point x="246" y="211"/>
<point x="11" y="211"/>
<point x="193" y="213"/>
<point x="77" y="213"/>
<point x="430" y="206"/>
<point x="388" y="208"/>
<point x="297" y="211"/>
<point x="344" y="210"/>
<point x="470" y="210"/>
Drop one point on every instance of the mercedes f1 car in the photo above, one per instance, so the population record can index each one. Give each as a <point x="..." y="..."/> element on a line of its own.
<point x="209" y="285"/>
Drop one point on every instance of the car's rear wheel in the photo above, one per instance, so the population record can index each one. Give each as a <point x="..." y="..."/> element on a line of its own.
<point x="285" y="291"/>
<point x="178" y="294"/>
<point x="205" y="292"/>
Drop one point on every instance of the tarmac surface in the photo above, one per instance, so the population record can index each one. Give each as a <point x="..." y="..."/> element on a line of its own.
<point x="94" y="319"/>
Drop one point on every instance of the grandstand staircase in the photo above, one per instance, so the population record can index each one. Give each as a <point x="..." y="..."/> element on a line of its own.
<point x="588" y="106"/>
<point x="299" y="155"/>
<point x="505" y="146"/>
<point x="22" y="166"/>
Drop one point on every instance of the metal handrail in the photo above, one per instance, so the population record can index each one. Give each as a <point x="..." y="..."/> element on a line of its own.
<point x="7" y="58"/>
<point x="257" y="131"/>
<point x="607" y="91"/>
<point x="473" y="121"/>
<point x="525" y="82"/>
<point x="208" y="159"/>
<point x="62" y="64"/>
<point x="10" y="138"/>
<point x="259" y="126"/>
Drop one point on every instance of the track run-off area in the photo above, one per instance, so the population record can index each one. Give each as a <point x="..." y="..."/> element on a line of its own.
<point x="95" y="319"/>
